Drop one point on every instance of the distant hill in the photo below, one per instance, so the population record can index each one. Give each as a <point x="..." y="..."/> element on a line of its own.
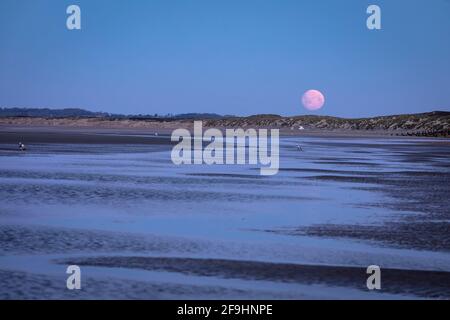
<point x="49" y="113"/>
<point x="430" y="121"/>
<point x="81" y="113"/>
<point x="435" y="123"/>
<point x="200" y="116"/>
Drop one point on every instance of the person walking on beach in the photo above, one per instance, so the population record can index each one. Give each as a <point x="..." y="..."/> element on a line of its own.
<point x="22" y="147"/>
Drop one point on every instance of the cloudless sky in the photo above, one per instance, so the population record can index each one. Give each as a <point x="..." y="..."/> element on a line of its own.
<point x="226" y="56"/>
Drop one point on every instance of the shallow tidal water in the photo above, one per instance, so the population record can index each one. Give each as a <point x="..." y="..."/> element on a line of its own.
<point x="142" y="228"/>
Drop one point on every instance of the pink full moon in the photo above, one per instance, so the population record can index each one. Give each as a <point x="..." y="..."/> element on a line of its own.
<point x="313" y="100"/>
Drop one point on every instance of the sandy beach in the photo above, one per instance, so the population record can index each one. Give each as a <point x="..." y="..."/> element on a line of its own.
<point x="106" y="200"/>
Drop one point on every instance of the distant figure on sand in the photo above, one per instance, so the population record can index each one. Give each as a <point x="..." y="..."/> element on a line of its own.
<point x="22" y="147"/>
<point x="299" y="148"/>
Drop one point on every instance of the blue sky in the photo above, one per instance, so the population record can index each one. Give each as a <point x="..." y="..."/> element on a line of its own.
<point x="226" y="56"/>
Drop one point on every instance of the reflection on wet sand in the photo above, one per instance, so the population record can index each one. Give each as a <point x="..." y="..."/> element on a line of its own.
<point x="141" y="227"/>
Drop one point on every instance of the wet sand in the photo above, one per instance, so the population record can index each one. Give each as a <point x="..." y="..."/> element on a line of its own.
<point x="28" y="286"/>
<point x="144" y="229"/>
<point x="38" y="240"/>
<point x="34" y="136"/>
<point x="428" y="284"/>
